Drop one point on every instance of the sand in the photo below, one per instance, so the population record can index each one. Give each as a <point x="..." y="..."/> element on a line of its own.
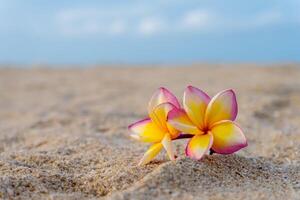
<point x="63" y="134"/>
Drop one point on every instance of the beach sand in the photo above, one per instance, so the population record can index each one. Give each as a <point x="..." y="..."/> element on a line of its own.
<point x="63" y="134"/>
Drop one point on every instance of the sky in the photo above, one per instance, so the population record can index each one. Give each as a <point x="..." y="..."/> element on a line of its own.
<point x="143" y="31"/>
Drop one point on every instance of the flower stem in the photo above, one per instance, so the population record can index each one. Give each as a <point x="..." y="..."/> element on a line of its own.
<point x="184" y="136"/>
<point x="211" y="152"/>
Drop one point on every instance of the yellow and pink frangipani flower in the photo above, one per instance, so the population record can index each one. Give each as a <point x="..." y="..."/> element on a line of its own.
<point x="155" y="129"/>
<point x="210" y="121"/>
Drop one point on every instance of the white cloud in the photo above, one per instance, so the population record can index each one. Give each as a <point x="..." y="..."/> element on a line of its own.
<point x="267" y="18"/>
<point x="143" y="22"/>
<point x="118" y="27"/>
<point x="90" y="21"/>
<point x="251" y="22"/>
<point x="196" y="19"/>
<point x="149" y="26"/>
<point x="212" y="21"/>
<point x="78" y="22"/>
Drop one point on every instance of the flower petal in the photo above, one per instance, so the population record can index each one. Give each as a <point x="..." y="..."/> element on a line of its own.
<point x="223" y="106"/>
<point x="179" y="119"/>
<point x="162" y="95"/>
<point x="228" y="137"/>
<point x="195" y="102"/>
<point x="160" y="114"/>
<point x="167" y="144"/>
<point x="146" y="131"/>
<point x="151" y="153"/>
<point x="199" y="145"/>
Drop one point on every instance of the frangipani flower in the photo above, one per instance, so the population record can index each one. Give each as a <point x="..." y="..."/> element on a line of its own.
<point x="155" y="129"/>
<point x="210" y="121"/>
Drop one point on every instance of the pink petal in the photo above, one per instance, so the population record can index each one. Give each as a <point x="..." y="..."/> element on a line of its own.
<point x="151" y="153"/>
<point x="179" y="119"/>
<point x="162" y="95"/>
<point x="199" y="146"/>
<point x="160" y="113"/>
<point x="195" y="102"/>
<point x="223" y="106"/>
<point x="146" y="131"/>
<point x="228" y="137"/>
<point x="167" y="144"/>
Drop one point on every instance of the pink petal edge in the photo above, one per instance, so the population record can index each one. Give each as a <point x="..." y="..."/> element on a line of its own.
<point x="234" y="104"/>
<point x="171" y="96"/>
<point x="198" y="92"/>
<point x="206" y="151"/>
<point x="234" y="148"/>
<point x="146" y="120"/>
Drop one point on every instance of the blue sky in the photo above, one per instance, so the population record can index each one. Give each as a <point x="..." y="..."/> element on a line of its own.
<point x="156" y="31"/>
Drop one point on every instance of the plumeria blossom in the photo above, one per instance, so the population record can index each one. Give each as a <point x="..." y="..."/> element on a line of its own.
<point x="210" y="121"/>
<point x="155" y="129"/>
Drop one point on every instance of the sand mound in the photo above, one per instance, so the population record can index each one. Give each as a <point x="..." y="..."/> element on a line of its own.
<point x="87" y="168"/>
<point x="217" y="177"/>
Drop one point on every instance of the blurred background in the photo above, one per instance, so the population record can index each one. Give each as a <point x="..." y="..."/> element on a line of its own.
<point x="157" y="31"/>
